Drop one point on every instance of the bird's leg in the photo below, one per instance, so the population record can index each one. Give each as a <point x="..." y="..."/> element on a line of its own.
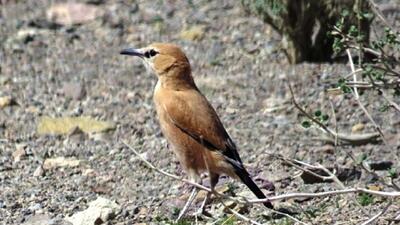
<point x="192" y="196"/>
<point x="213" y="182"/>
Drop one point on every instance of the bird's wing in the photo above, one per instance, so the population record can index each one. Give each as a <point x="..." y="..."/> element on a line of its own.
<point x="192" y="113"/>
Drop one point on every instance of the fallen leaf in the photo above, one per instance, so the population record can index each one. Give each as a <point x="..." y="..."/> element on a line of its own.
<point x="375" y="187"/>
<point x="357" y="128"/>
<point x="6" y="101"/>
<point x="193" y="33"/>
<point x="64" y="125"/>
<point x="57" y="162"/>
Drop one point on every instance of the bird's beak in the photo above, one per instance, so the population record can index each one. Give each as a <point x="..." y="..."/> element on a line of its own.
<point x="132" y="51"/>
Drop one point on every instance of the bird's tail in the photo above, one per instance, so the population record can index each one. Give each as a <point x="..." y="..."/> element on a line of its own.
<point x="246" y="179"/>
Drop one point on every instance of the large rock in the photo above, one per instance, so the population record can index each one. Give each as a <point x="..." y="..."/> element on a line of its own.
<point x="71" y="13"/>
<point x="99" y="211"/>
<point x="19" y="152"/>
<point x="42" y="219"/>
<point x="74" y="90"/>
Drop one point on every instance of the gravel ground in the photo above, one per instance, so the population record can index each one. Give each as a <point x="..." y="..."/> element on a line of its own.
<point x="62" y="71"/>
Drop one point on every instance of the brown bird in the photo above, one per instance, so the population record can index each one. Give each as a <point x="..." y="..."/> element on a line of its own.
<point x="189" y="122"/>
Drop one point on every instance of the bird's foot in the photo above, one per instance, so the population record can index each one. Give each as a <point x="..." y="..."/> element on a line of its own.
<point x="202" y="210"/>
<point x="187" y="205"/>
<point x="201" y="213"/>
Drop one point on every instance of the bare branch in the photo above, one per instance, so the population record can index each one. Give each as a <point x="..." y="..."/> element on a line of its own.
<point x="325" y="128"/>
<point x="391" y="102"/>
<point x="151" y="166"/>
<point x="353" y="139"/>
<point x="335" y="122"/>
<point x="341" y="185"/>
<point x="369" y="50"/>
<point x="379" y="14"/>
<point x="390" y="84"/>
<point x="353" y="69"/>
<point x="374" y="218"/>
<point x="356" y="96"/>
<point x="393" y="194"/>
<point x="351" y="74"/>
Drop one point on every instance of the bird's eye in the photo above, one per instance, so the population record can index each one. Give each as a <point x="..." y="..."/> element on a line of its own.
<point x="152" y="52"/>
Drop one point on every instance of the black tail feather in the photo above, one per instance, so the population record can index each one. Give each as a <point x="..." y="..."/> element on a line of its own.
<point x="246" y="179"/>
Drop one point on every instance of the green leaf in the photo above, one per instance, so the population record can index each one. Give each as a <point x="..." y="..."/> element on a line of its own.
<point x="227" y="221"/>
<point x="361" y="158"/>
<point x="365" y="199"/>
<point x="338" y="45"/>
<point x="367" y="15"/>
<point x="384" y="108"/>
<point x="378" y="44"/>
<point x="318" y="113"/>
<point x="325" y="117"/>
<point x="341" y="81"/>
<point x="360" y="38"/>
<point x="353" y="31"/>
<point x="346" y="89"/>
<point x="345" y="12"/>
<point x="393" y="173"/>
<point x="396" y="92"/>
<point x="306" y="124"/>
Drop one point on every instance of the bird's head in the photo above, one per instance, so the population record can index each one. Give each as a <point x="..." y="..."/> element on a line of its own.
<point x="166" y="60"/>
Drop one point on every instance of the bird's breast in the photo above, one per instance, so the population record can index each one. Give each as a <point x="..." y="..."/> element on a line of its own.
<point x="189" y="153"/>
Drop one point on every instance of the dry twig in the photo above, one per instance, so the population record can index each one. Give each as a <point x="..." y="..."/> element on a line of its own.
<point x="375" y="217"/>
<point x="356" y="96"/>
<point x="353" y="70"/>
<point x="377" y="12"/>
<point x="391" y="102"/>
<point x="393" y="194"/>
